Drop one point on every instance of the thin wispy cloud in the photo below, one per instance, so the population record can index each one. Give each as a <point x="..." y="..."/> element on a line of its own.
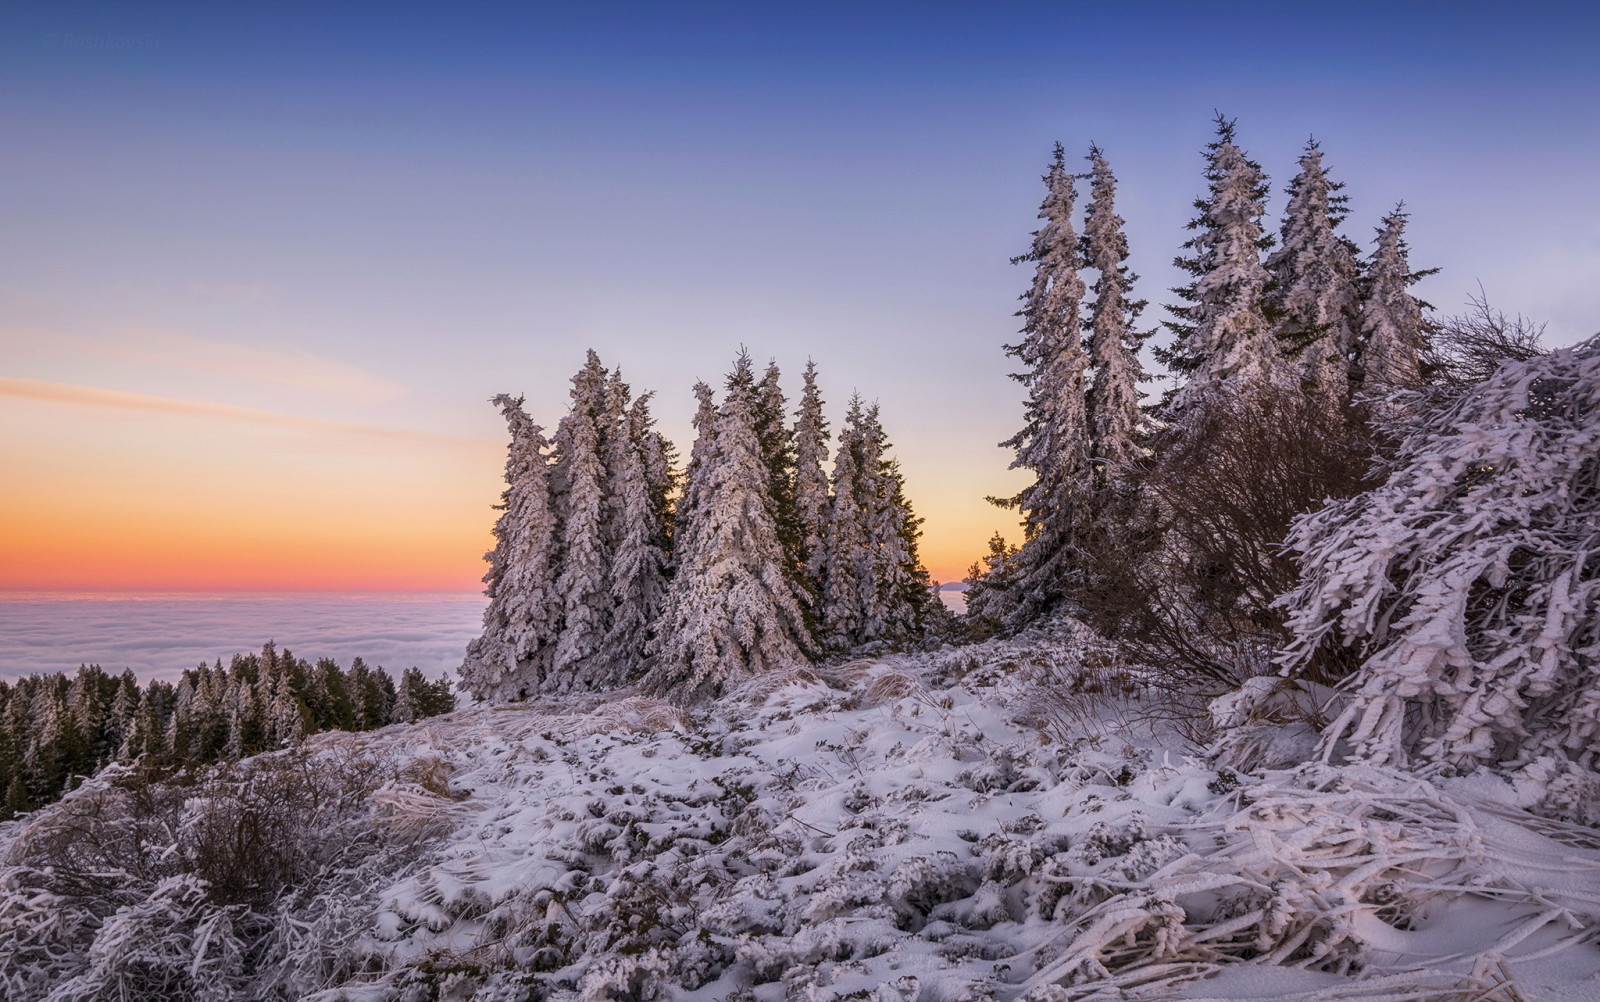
<point x="284" y="366"/>
<point x="95" y="396"/>
<point x="169" y="349"/>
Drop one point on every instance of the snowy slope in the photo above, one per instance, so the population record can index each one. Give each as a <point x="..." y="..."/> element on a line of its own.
<point x="934" y="827"/>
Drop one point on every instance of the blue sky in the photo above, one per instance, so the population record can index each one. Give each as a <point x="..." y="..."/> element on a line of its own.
<point x="380" y="215"/>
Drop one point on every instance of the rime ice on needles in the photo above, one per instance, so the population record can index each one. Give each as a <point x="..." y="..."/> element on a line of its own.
<point x="513" y="656"/>
<point x="1470" y="579"/>
<point x="1393" y="335"/>
<point x="1054" y="441"/>
<point x="733" y="608"/>
<point x="1113" y="399"/>
<point x="1315" y="298"/>
<point x="1223" y="341"/>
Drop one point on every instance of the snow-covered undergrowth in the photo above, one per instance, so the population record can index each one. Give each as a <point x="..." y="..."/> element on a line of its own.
<point x="932" y="828"/>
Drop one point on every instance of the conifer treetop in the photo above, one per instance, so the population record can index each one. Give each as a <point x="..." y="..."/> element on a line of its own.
<point x="1223" y="337"/>
<point x="1113" y="343"/>
<point x="1315" y="298"/>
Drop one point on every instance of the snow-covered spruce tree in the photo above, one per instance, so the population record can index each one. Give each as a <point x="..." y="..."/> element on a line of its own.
<point x="635" y="537"/>
<point x="778" y="453"/>
<point x="513" y="656"/>
<point x="1223" y="340"/>
<point x="287" y="717"/>
<point x="1113" y="344"/>
<point x="874" y="587"/>
<point x="1315" y="297"/>
<point x="845" y="560"/>
<point x="1054" y="441"/>
<point x="900" y="592"/>
<point x="1470" y="580"/>
<point x="1393" y="333"/>
<point x="986" y="582"/>
<point x="658" y="455"/>
<point x="702" y="456"/>
<point x="733" y="608"/>
<point x="578" y="480"/>
<point x="810" y="480"/>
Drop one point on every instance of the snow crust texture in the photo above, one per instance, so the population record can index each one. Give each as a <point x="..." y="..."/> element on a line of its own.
<point x="946" y="826"/>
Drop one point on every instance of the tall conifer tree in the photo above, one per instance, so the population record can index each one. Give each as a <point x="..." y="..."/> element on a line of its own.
<point x="1113" y="399"/>
<point x="873" y="586"/>
<point x="846" y="573"/>
<point x="900" y="590"/>
<point x="1393" y="332"/>
<point x="1314" y="296"/>
<point x="513" y="656"/>
<point x="810" y="480"/>
<point x="638" y="562"/>
<point x="579" y="480"/>
<point x="702" y="456"/>
<point x="1224" y="341"/>
<point x="778" y="453"/>
<point x="733" y="609"/>
<point x="1054" y="442"/>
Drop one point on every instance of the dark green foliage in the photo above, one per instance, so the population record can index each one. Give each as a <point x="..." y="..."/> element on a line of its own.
<point x="54" y="730"/>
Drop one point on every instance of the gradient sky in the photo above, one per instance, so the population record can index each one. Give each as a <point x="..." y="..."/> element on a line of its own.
<point x="263" y="265"/>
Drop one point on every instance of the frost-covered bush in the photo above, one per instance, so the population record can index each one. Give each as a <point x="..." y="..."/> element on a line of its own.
<point x="814" y="841"/>
<point x="1470" y="580"/>
<point x="154" y="884"/>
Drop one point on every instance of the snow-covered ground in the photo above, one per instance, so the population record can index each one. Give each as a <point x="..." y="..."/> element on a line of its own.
<point x="948" y="826"/>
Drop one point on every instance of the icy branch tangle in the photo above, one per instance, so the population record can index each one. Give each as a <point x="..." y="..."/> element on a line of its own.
<point x="1471" y="578"/>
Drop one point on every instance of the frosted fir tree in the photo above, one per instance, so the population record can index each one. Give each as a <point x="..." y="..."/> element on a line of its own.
<point x="287" y="716"/>
<point x="515" y="653"/>
<point x="898" y="590"/>
<point x="1470" y="580"/>
<point x="1393" y="333"/>
<point x="636" y="537"/>
<point x="702" y="455"/>
<point x="733" y="609"/>
<point x="987" y="581"/>
<point x="122" y="713"/>
<point x="658" y="455"/>
<point x="810" y="480"/>
<point x="846" y="553"/>
<point x="408" y="696"/>
<point x="1223" y="341"/>
<point x="1315" y="297"/>
<point x="1054" y="442"/>
<point x="778" y="453"/>
<point x="1113" y="399"/>
<point x="578" y="480"/>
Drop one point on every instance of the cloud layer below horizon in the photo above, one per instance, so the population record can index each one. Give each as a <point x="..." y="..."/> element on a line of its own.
<point x="159" y="636"/>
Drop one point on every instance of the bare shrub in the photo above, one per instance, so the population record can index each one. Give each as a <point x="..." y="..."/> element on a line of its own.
<point x="1184" y="558"/>
<point x="155" y="882"/>
<point x="1468" y="348"/>
<point x="249" y="830"/>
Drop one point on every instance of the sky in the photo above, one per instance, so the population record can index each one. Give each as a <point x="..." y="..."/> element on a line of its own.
<point x="263" y="266"/>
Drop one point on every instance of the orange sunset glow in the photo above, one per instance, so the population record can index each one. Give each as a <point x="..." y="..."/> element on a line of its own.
<point x="115" y="490"/>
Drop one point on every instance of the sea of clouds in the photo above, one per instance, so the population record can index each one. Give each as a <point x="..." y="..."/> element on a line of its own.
<point x="158" y="636"/>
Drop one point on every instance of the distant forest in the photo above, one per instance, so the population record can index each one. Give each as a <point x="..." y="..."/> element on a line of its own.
<point x="56" y="730"/>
